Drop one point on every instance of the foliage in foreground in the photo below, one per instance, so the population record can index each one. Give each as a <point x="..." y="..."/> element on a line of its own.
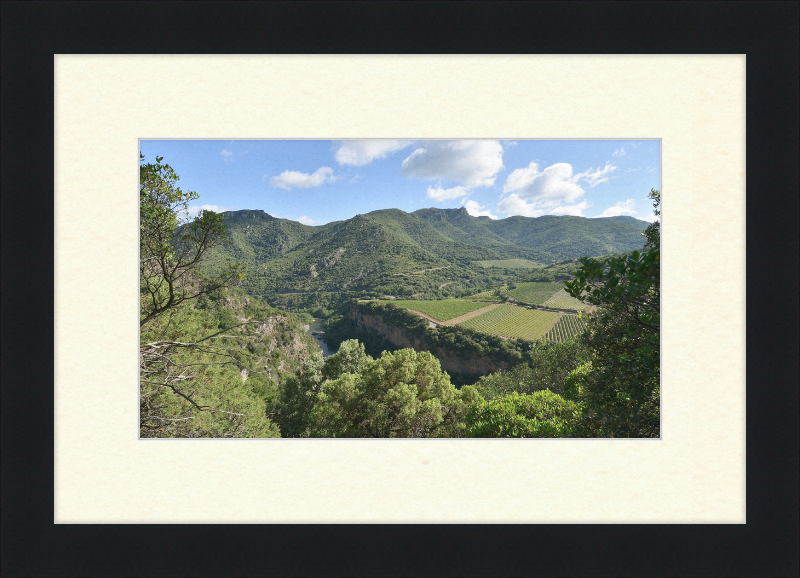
<point x="199" y="343"/>
<point x="548" y="367"/>
<point x="621" y="390"/>
<point x="543" y="414"/>
<point x="207" y="397"/>
<point x="401" y="394"/>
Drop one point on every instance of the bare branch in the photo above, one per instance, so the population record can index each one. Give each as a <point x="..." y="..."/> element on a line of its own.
<point x="231" y="413"/>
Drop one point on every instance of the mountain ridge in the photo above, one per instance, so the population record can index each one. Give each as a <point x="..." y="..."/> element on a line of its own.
<point x="385" y="246"/>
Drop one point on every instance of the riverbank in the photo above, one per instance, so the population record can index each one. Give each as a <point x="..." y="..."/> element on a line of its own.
<point x="317" y="331"/>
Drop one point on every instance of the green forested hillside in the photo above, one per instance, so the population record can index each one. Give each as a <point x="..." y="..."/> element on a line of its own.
<point x="258" y="236"/>
<point x="426" y="250"/>
<point x="569" y="237"/>
<point x="339" y="256"/>
<point x="457" y="224"/>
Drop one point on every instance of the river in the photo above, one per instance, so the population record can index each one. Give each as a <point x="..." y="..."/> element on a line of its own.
<point x="318" y="326"/>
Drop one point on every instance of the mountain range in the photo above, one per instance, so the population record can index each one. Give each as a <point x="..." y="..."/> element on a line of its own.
<point x="383" y="246"/>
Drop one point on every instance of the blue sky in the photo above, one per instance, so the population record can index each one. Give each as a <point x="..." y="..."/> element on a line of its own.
<point x="316" y="182"/>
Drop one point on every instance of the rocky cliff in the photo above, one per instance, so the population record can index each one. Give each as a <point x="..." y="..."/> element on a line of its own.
<point x="452" y="361"/>
<point x="277" y="341"/>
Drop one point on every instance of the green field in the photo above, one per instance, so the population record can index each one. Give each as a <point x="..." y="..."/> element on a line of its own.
<point x="536" y="293"/>
<point x="567" y="326"/>
<point x="562" y="300"/>
<point x="512" y="321"/>
<point x="510" y="263"/>
<point x="441" y="310"/>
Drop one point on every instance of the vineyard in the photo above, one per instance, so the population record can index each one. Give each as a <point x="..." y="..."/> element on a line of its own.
<point x="566" y="327"/>
<point x="512" y="321"/>
<point x="536" y="293"/>
<point x="472" y="314"/>
<point x="562" y="300"/>
<point x="441" y="310"/>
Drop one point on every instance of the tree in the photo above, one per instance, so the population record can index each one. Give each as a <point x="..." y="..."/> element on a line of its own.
<point x="171" y="247"/>
<point x="297" y="396"/>
<point x="543" y="414"/>
<point x="652" y="233"/>
<point x="550" y="363"/>
<point x="621" y="390"/>
<point x="575" y="383"/>
<point x="189" y="383"/>
<point x="350" y="358"/>
<point x="401" y="394"/>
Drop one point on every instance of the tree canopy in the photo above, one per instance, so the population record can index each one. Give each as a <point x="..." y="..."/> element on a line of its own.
<point x="542" y="414"/>
<point x="621" y="389"/>
<point x="401" y="394"/>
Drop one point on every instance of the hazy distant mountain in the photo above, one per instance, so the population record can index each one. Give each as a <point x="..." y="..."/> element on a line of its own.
<point x="569" y="237"/>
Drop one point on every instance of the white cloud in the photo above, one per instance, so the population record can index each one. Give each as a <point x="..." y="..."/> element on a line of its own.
<point x="515" y="205"/>
<point x="355" y="179"/>
<point x="440" y="194"/>
<point x="195" y="210"/>
<point x="621" y="208"/>
<point x="553" y="191"/>
<point x="597" y="177"/>
<point x="620" y="152"/>
<point x="292" y="179"/>
<point x="361" y="152"/>
<point x="574" y="210"/>
<point x="651" y="217"/>
<point x="473" y="163"/>
<point x="474" y="209"/>
<point x="550" y="187"/>
<point x="305" y="220"/>
<point x="227" y="155"/>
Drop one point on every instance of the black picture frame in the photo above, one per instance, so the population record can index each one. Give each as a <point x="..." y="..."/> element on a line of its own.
<point x="32" y="33"/>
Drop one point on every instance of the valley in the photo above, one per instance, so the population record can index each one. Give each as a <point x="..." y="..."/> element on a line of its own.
<point x="431" y="323"/>
<point x="316" y="329"/>
<point x="501" y="278"/>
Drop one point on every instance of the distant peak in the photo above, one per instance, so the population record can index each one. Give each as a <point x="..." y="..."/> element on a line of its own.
<point x="459" y="213"/>
<point x="248" y="213"/>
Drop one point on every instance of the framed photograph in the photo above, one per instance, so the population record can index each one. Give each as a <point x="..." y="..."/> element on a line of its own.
<point x="551" y="467"/>
<point x="717" y="485"/>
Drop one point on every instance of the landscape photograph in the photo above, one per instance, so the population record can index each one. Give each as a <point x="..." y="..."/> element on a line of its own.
<point x="389" y="288"/>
